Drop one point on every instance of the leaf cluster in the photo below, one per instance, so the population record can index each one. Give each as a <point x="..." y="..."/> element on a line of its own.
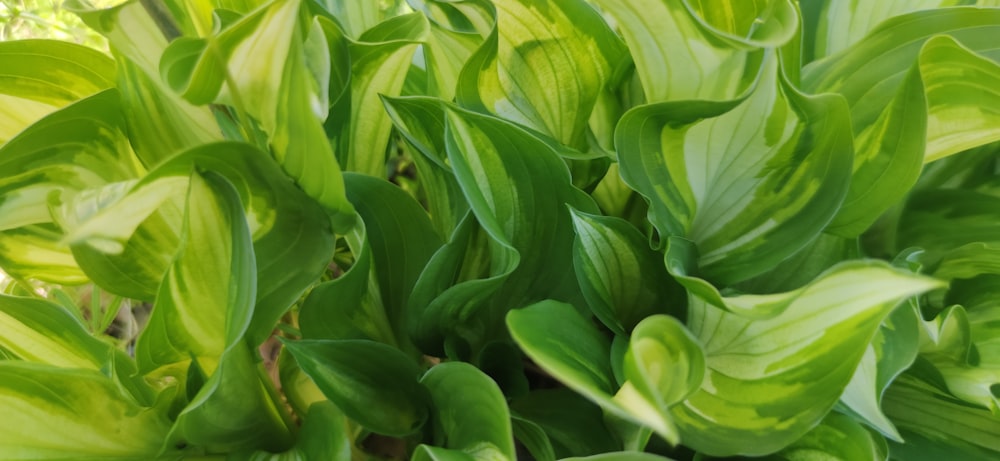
<point x="615" y="230"/>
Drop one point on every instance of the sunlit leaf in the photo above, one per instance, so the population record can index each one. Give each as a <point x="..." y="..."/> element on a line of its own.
<point x="289" y="230"/>
<point x="261" y="60"/>
<point x="678" y="58"/>
<point x="41" y="76"/>
<point x="57" y="414"/>
<point x="750" y="183"/>
<point x="81" y="146"/>
<point x="542" y="67"/>
<point x="795" y="365"/>
<point x="39" y="331"/>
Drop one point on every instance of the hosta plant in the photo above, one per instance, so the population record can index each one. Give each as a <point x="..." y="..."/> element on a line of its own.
<point x="620" y="230"/>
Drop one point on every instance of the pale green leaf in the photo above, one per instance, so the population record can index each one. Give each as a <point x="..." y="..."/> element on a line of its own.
<point x="769" y="381"/>
<point x="891" y="352"/>
<point x="61" y="414"/>
<point x="260" y="58"/>
<point x="358" y="17"/>
<point x="543" y="67"/>
<point x="41" y="76"/>
<point x="160" y="122"/>
<point x="379" y="63"/>
<point x="755" y="23"/>
<point x="205" y="303"/>
<point x="676" y="58"/>
<point x="289" y="229"/>
<point x="664" y="364"/>
<point x="954" y="70"/>
<point x="749" y="183"/>
<point x="35" y="330"/>
<point x="77" y="147"/>
<point x="452" y="38"/>
<point x="844" y="23"/>
<point x="962" y="99"/>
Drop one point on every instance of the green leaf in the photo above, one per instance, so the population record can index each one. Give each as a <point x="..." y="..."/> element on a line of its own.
<point x="357" y="18"/>
<point x="887" y="160"/>
<point x="574" y="425"/>
<point x="576" y="353"/>
<point x="379" y="64"/>
<point x="677" y="57"/>
<point x="801" y="268"/>
<point x="978" y="295"/>
<point x="935" y="423"/>
<point x="891" y="352"/>
<point x="621" y="456"/>
<point x="41" y="76"/>
<point x="261" y="55"/>
<point x="469" y="411"/>
<point x="942" y="220"/>
<point x="323" y="436"/>
<point x="533" y="438"/>
<point x="372" y="383"/>
<point x="514" y="182"/>
<point x="456" y="32"/>
<point x="205" y="303"/>
<point x="396" y="242"/>
<point x="543" y="67"/>
<point x="664" y="365"/>
<point x="838" y="437"/>
<point x="160" y="122"/>
<point x="234" y="410"/>
<point x="769" y="381"/>
<point x="749" y="183"/>
<point x="959" y="103"/>
<point x="429" y="453"/>
<point x="622" y="279"/>
<point x="456" y="286"/>
<point x="347" y="307"/>
<point x="60" y="414"/>
<point x="289" y="229"/>
<point x="80" y="146"/>
<point x="35" y="330"/>
<point x="579" y="356"/>
<point x="421" y="122"/>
